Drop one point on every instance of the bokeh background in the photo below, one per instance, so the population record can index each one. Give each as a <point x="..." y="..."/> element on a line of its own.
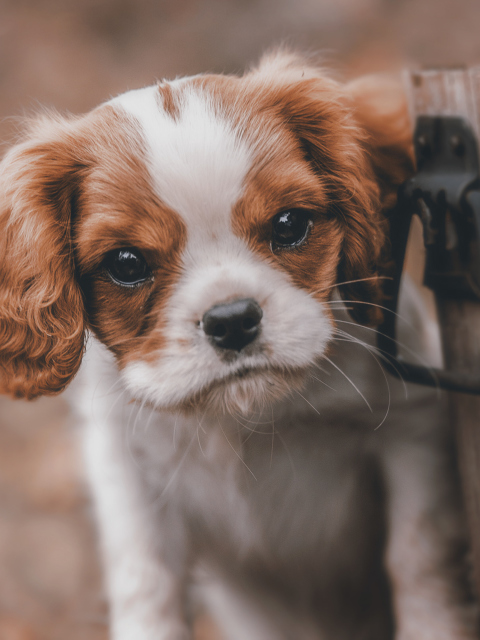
<point x="71" y="55"/>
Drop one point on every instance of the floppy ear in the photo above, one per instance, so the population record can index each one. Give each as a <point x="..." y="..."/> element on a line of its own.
<point x="357" y="138"/>
<point x="41" y="308"/>
<point x="381" y="110"/>
<point x="381" y="113"/>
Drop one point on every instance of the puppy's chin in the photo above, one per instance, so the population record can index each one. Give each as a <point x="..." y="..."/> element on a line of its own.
<point x="246" y="391"/>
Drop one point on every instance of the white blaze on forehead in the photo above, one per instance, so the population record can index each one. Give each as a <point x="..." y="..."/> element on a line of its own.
<point x="197" y="161"/>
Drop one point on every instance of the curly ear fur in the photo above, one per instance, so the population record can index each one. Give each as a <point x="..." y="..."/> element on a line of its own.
<point x="41" y="308"/>
<point x="380" y="110"/>
<point x="358" y="139"/>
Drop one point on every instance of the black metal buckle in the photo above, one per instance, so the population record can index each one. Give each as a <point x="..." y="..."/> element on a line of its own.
<point x="445" y="194"/>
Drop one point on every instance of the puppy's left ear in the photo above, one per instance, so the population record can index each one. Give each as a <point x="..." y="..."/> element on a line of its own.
<point x="380" y="112"/>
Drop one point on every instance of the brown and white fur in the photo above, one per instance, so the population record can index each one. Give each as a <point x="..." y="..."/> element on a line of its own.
<point x="256" y="479"/>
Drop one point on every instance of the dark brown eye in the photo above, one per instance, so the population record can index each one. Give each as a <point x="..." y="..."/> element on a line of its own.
<point x="290" y="228"/>
<point x="127" y="267"/>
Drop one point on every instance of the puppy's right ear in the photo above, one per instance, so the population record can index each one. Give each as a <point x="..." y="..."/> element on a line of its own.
<point x="41" y="309"/>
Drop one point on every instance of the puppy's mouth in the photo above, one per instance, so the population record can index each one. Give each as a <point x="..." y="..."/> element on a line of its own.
<point x="247" y="388"/>
<point x="242" y="373"/>
<point x="251" y="371"/>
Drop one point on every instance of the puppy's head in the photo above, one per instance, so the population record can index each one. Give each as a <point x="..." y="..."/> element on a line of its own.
<point x="198" y="227"/>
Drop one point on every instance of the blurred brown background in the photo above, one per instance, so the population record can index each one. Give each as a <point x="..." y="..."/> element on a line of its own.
<point x="73" y="54"/>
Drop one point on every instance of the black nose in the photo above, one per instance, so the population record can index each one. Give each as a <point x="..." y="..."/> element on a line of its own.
<point x="233" y="325"/>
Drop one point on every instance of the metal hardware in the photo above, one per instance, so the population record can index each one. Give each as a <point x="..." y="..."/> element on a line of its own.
<point x="445" y="194"/>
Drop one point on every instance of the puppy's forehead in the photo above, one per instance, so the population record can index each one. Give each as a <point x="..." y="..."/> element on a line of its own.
<point x="197" y="159"/>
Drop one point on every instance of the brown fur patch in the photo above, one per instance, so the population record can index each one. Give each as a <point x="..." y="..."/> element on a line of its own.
<point x="316" y="149"/>
<point x="118" y="208"/>
<point x="169" y="100"/>
<point x="280" y="185"/>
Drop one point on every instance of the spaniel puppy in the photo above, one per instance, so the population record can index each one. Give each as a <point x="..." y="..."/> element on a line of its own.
<point x="244" y="448"/>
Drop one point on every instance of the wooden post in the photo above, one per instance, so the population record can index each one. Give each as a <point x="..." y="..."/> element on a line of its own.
<point x="455" y="93"/>
<point x="460" y="328"/>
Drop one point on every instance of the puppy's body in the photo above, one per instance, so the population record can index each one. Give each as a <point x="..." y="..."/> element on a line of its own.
<point x="281" y="520"/>
<point x="198" y="229"/>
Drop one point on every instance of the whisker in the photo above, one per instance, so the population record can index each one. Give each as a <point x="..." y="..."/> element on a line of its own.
<point x="287" y="451"/>
<point x="157" y="501"/>
<point x="245" y="419"/>
<point x="324" y="383"/>
<point x="110" y="390"/>
<point x="371" y="304"/>
<point x="325" y="371"/>
<point x="370" y="350"/>
<point x="251" y="432"/>
<point x="175" y="432"/>
<point x="411" y="352"/>
<point x="119" y="397"/>
<point x="236" y="452"/>
<point x="200" y="421"/>
<point x="133" y="430"/>
<point x="153" y="412"/>
<point x="350" y="381"/>
<point x="388" y="408"/>
<point x="130" y="432"/>
<point x="340" y="284"/>
<point x="198" y="439"/>
<point x="309" y="403"/>
<point x="238" y="420"/>
<point x="381" y="353"/>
